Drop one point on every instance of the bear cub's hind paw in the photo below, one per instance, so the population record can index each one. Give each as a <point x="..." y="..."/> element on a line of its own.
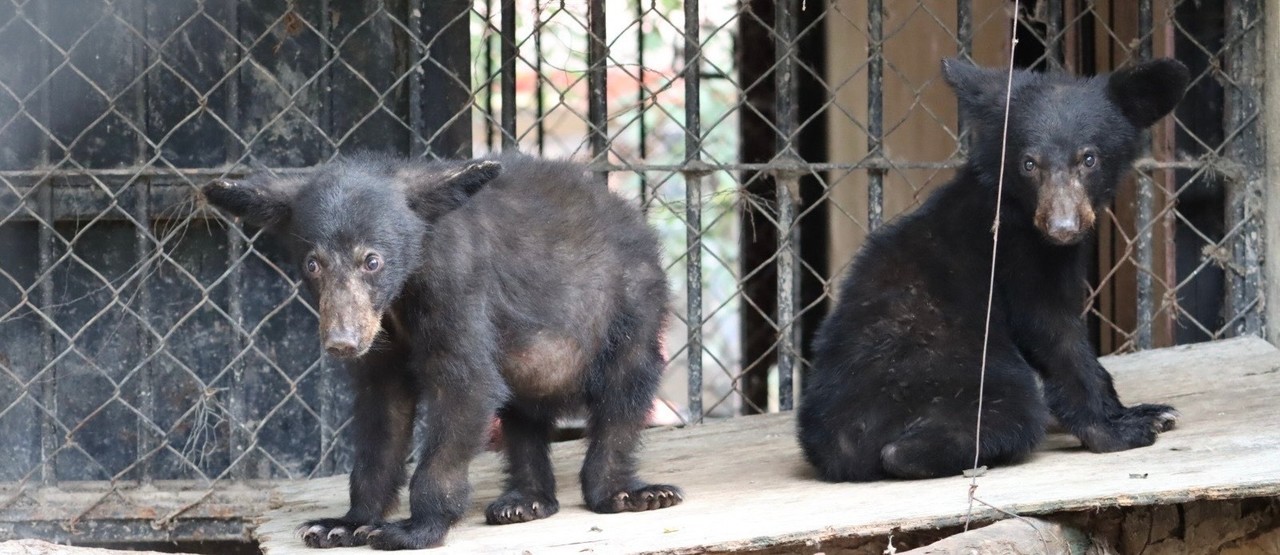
<point x="644" y="498"/>
<point x="1137" y="426"/>
<point x="334" y="532"/>
<point x="515" y="506"/>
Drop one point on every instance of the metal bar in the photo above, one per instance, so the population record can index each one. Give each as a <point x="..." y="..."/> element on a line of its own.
<point x="1053" y="33"/>
<point x="416" y="119"/>
<point x="489" y="133"/>
<point x="325" y="83"/>
<point x="1271" y="207"/>
<point x="49" y="436"/>
<point x="641" y="97"/>
<point x="1245" y="194"/>
<point x="539" y="103"/>
<point x="146" y="376"/>
<point x="446" y="79"/>
<point x="964" y="36"/>
<point x="508" y="41"/>
<point x="237" y="405"/>
<point x="597" y="85"/>
<point x="693" y="204"/>
<point x="331" y="407"/>
<point x="875" y="111"/>
<point x="142" y="251"/>
<point x="49" y="384"/>
<point x="786" y="183"/>
<point x="1144" y="253"/>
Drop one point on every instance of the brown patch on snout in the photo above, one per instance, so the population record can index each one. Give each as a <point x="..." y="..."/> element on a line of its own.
<point x="1063" y="212"/>
<point x="545" y="366"/>
<point x="348" y="322"/>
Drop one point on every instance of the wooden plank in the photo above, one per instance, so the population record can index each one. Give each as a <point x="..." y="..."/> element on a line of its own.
<point x="747" y="486"/>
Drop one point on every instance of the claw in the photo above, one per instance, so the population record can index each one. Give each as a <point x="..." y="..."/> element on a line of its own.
<point x="313" y="532"/>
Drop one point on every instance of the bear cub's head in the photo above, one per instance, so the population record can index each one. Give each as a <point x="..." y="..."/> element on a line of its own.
<point x="356" y="227"/>
<point x="1070" y="139"/>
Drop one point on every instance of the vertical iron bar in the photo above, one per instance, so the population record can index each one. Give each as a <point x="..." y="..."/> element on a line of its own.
<point x="508" y="40"/>
<point x="787" y="183"/>
<point x="325" y="81"/>
<point x="597" y="83"/>
<point x="539" y="103"/>
<point x="1271" y="209"/>
<point x="146" y="382"/>
<point x="142" y="251"/>
<point x="49" y="384"/>
<point x="693" y="203"/>
<point x="641" y="96"/>
<point x="417" y="126"/>
<point x="331" y="405"/>
<point x="964" y="35"/>
<point x="448" y="93"/>
<point x="47" y="235"/>
<point x="489" y="133"/>
<point x="875" y="112"/>
<point x="1245" y="193"/>
<point x="1053" y="33"/>
<point x="237" y="404"/>
<point x="1146" y="193"/>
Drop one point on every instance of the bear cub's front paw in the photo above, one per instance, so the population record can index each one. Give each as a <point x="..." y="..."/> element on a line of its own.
<point x="1136" y="426"/>
<point x="408" y="534"/>
<point x="334" y="532"/>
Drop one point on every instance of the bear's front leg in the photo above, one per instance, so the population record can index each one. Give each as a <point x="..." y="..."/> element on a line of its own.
<point x="385" y="399"/>
<point x="1081" y="395"/>
<point x="464" y="397"/>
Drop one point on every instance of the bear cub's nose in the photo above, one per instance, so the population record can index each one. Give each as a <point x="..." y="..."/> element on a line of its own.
<point x="1064" y="227"/>
<point x="341" y="343"/>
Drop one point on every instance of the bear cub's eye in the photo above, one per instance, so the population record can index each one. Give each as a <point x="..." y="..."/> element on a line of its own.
<point x="313" y="266"/>
<point x="1028" y="165"/>
<point x="1089" y="160"/>
<point x="372" y="262"/>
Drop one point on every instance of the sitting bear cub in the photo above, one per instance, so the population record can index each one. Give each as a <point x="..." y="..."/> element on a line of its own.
<point x="513" y="286"/>
<point x="894" y="388"/>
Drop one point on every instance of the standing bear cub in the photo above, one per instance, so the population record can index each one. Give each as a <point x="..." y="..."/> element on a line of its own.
<point x="510" y="286"/>
<point x="894" y="387"/>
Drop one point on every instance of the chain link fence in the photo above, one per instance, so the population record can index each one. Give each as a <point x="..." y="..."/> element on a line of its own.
<point x="159" y="366"/>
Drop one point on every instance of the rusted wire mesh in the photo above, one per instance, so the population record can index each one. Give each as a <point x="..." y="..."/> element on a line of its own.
<point x="148" y="344"/>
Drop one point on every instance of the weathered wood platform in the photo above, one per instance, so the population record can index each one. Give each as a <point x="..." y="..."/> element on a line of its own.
<point x="747" y="486"/>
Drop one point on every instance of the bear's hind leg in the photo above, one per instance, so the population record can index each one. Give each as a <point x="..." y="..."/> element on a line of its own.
<point x="531" y="484"/>
<point x="942" y="444"/>
<point x="619" y="395"/>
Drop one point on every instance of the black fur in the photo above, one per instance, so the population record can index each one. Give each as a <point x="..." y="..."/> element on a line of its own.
<point x="510" y="285"/>
<point x="894" y="387"/>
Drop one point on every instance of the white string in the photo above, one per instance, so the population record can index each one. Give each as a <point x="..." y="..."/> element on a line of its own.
<point x="991" y="284"/>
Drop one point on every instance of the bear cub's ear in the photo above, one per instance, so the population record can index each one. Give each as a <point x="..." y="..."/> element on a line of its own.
<point x="980" y="90"/>
<point x="261" y="200"/>
<point x="445" y="192"/>
<point x="1147" y="91"/>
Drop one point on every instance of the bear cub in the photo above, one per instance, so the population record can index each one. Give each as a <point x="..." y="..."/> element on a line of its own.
<point x="894" y="388"/>
<point x="511" y="286"/>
